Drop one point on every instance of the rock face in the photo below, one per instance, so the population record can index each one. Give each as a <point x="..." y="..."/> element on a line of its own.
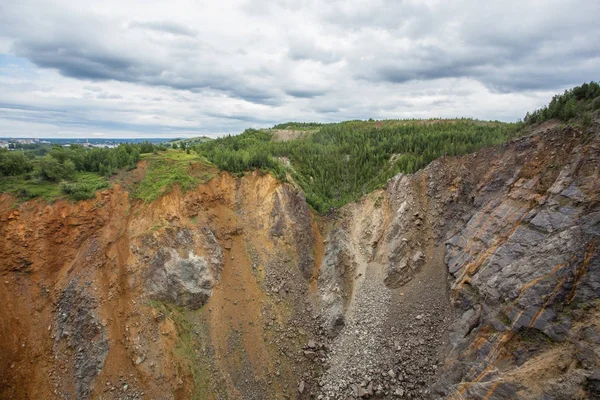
<point x="476" y="278"/>
<point x="516" y="231"/>
<point x="78" y="327"/>
<point x="527" y="265"/>
<point x="185" y="281"/>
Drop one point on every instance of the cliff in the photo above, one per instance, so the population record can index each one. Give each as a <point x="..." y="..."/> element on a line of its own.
<point x="475" y="278"/>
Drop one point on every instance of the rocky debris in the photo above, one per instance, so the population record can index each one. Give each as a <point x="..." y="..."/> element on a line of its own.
<point x="337" y="269"/>
<point x="381" y="352"/>
<point x="80" y="338"/>
<point x="301" y="387"/>
<point x="351" y="357"/>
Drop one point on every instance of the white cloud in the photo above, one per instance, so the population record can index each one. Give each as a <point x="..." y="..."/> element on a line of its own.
<point x="140" y="68"/>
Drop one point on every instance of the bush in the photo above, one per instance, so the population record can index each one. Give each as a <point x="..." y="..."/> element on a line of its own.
<point x="81" y="191"/>
<point x="51" y="169"/>
<point x="586" y="120"/>
<point x="13" y="163"/>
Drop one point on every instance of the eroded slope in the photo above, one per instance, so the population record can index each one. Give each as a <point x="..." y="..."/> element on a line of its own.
<point x="475" y="278"/>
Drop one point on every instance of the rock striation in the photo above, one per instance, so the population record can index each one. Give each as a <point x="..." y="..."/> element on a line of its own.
<point x="478" y="277"/>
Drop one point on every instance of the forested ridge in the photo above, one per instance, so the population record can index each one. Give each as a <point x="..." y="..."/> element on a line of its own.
<point x="579" y="101"/>
<point x="340" y="162"/>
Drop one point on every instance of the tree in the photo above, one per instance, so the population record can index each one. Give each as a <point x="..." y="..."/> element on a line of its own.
<point x="53" y="170"/>
<point x="13" y="163"/>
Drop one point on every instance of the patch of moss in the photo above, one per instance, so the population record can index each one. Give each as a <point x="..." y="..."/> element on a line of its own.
<point x="502" y="317"/>
<point x="533" y="336"/>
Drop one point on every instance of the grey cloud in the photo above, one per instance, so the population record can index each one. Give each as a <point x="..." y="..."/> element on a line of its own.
<point x="305" y="93"/>
<point x="109" y="96"/>
<point x="409" y="17"/>
<point x="164" y="26"/>
<point x="501" y="62"/>
<point x="75" y="118"/>
<point x="90" y="61"/>
<point x="327" y="109"/>
<point x="303" y="49"/>
<point x="240" y="117"/>
<point x="76" y="60"/>
<point x="93" y="88"/>
<point x="296" y="59"/>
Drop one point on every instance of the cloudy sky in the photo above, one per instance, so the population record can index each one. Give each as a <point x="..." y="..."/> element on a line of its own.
<point x="144" y="68"/>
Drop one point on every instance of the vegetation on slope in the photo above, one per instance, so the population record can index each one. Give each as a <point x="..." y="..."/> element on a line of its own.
<point x="171" y="168"/>
<point x="75" y="172"/>
<point x="578" y="101"/>
<point x="341" y="162"/>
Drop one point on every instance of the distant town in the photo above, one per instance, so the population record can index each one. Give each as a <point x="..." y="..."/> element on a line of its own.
<point x="14" y="143"/>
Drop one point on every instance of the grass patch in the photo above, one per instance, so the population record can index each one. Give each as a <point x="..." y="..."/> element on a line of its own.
<point x="171" y="168"/>
<point x="85" y="187"/>
<point x="25" y="188"/>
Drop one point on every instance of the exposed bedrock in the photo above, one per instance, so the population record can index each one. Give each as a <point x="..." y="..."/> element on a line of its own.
<point x="478" y="277"/>
<point x="514" y="232"/>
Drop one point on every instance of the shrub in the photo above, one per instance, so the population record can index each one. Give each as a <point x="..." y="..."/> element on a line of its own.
<point x="13" y="163"/>
<point x="51" y="169"/>
<point x="81" y="191"/>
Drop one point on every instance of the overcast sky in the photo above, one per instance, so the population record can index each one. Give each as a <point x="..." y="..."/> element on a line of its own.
<point x="120" y="68"/>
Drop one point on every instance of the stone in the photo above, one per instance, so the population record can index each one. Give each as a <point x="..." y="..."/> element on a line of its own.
<point x="186" y="282"/>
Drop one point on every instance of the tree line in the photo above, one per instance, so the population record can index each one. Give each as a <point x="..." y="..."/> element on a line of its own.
<point x="56" y="163"/>
<point x="42" y="163"/>
<point x="343" y="161"/>
<point x="580" y="100"/>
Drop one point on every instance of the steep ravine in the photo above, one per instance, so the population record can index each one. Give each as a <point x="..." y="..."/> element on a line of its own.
<point x="476" y="278"/>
